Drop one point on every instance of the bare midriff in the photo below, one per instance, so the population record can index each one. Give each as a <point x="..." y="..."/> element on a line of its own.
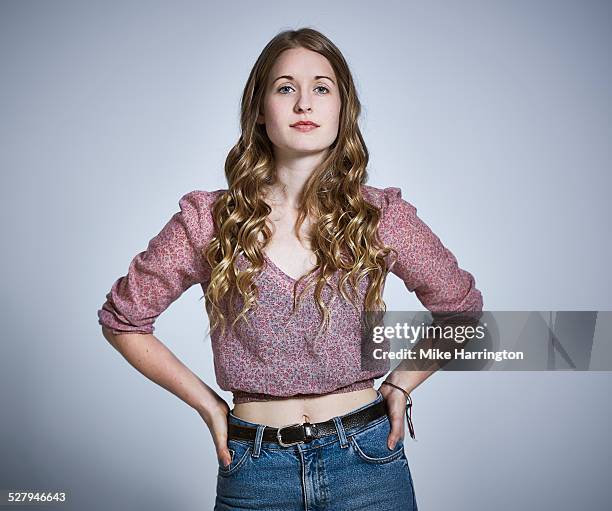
<point x="282" y="412"/>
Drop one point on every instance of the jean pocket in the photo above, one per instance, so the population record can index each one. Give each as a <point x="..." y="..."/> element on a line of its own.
<point x="371" y="446"/>
<point x="239" y="452"/>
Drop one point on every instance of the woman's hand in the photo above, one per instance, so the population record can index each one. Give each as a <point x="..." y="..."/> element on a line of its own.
<point x="396" y="406"/>
<point x="215" y="418"/>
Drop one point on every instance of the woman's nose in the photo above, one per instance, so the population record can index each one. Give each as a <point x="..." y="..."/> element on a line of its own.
<point x="303" y="105"/>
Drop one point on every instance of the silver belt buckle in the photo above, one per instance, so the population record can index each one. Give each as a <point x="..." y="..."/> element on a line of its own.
<point x="309" y="430"/>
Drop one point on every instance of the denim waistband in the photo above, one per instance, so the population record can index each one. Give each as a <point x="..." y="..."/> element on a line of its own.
<point x="318" y="442"/>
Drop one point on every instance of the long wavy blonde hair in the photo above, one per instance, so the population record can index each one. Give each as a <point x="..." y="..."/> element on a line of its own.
<point x="343" y="236"/>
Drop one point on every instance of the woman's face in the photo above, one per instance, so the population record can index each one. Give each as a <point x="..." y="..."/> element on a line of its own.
<point x="302" y="86"/>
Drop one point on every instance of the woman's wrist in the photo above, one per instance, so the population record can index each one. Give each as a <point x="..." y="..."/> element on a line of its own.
<point x="408" y="380"/>
<point x="395" y="386"/>
<point x="401" y="380"/>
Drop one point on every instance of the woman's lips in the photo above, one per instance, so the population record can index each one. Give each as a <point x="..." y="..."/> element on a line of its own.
<point x="304" y="127"/>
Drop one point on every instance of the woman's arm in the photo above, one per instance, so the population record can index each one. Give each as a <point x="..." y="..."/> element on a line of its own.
<point x="154" y="360"/>
<point x="156" y="277"/>
<point x="430" y="270"/>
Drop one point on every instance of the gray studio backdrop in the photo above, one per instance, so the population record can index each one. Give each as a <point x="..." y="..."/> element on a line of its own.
<point x="492" y="117"/>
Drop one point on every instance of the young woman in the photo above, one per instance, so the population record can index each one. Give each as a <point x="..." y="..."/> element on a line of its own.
<point x="289" y="256"/>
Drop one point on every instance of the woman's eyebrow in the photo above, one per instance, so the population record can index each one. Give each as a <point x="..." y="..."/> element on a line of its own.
<point x="318" y="77"/>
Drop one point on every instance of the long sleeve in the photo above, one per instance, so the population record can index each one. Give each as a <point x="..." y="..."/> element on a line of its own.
<point x="423" y="263"/>
<point x="171" y="264"/>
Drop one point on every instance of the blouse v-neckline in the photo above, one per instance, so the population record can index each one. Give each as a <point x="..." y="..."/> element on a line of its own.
<point x="280" y="272"/>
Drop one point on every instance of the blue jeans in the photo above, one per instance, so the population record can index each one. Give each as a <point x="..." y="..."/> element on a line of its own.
<point x="350" y="470"/>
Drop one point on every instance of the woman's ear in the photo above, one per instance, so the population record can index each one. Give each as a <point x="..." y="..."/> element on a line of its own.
<point x="260" y="119"/>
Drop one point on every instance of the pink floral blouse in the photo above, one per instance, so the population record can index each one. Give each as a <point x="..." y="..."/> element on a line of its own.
<point x="281" y="356"/>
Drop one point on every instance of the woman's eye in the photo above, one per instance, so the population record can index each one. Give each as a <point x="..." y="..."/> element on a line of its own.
<point x="284" y="87"/>
<point x="281" y="89"/>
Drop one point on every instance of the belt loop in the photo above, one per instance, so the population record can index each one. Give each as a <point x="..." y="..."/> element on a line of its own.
<point x="258" y="440"/>
<point x="341" y="432"/>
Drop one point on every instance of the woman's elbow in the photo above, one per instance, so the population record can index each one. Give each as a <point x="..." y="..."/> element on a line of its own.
<point x="109" y="335"/>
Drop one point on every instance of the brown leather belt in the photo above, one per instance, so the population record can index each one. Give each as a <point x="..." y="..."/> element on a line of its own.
<point x="305" y="432"/>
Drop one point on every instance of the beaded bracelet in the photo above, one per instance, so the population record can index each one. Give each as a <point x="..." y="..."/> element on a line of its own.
<point x="408" y="407"/>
